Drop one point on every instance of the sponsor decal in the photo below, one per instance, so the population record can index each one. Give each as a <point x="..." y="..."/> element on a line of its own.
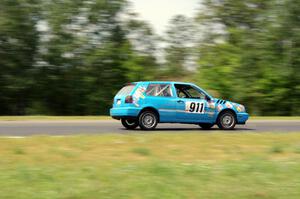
<point x="138" y="94"/>
<point x="211" y="105"/>
<point x="229" y="105"/>
<point x="220" y="107"/>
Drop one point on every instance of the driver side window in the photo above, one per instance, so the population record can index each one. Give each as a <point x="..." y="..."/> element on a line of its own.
<point x="196" y="94"/>
<point x="187" y="91"/>
<point x="181" y="94"/>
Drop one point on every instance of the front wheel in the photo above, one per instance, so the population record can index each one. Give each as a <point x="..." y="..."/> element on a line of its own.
<point x="129" y="123"/>
<point x="148" y="120"/>
<point x="226" y="120"/>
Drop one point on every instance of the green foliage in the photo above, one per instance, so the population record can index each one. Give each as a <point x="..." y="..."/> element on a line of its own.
<point x="179" y="41"/>
<point x="70" y="57"/>
<point x="254" y="59"/>
<point x="18" y="46"/>
<point x="67" y="57"/>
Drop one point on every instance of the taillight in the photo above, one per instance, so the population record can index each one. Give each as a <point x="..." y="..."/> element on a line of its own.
<point x="129" y="99"/>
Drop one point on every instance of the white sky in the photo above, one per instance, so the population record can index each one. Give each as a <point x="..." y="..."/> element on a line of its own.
<point x="159" y="12"/>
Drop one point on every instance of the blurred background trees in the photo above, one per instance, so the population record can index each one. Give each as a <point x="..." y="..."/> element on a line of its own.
<point x="254" y="56"/>
<point x="69" y="57"/>
<point x="180" y="40"/>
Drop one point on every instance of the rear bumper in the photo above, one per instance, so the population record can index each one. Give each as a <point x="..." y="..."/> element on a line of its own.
<point x="242" y="118"/>
<point x="126" y="112"/>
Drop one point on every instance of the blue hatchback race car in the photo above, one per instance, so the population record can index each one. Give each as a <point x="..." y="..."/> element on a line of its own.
<point x="146" y="104"/>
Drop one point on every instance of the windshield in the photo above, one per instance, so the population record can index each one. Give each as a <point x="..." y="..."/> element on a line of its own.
<point x="126" y="90"/>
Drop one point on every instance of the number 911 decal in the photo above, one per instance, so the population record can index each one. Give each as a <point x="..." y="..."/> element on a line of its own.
<point x="195" y="107"/>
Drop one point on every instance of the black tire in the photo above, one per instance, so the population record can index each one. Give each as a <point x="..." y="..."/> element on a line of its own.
<point x="148" y="120"/>
<point x="129" y="123"/>
<point x="206" y="126"/>
<point x="226" y="120"/>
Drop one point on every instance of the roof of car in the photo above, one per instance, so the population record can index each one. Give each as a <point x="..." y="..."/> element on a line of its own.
<point x="162" y="82"/>
<point x="170" y="82"/>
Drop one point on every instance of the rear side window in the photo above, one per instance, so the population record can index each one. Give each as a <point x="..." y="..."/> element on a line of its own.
<point x="162" y="90"/>
<point x="126" y="90"/>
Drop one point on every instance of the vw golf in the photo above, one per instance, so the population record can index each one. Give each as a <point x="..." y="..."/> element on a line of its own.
<point x="145" y="104"/>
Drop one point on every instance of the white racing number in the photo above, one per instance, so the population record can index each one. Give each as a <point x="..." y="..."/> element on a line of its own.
<point x="195" y="107"/>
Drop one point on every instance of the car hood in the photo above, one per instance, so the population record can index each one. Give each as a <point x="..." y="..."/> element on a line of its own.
<point x="228" y="104"/>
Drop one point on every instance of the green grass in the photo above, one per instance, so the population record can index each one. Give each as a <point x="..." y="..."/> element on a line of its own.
<point x="141" y="151"/>
<point x="151" y="165"/>
<point x="274" y="117"/>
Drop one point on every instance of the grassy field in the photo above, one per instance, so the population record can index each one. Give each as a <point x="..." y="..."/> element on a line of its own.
<point x="151" y="165"/>
<point x="53" y="118"/>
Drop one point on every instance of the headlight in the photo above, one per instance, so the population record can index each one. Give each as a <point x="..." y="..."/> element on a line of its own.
<point x="242" y="108"/>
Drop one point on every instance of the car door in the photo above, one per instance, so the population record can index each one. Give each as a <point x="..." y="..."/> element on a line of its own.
<point x="191" y="104"/>
<point x="162" y="97"/>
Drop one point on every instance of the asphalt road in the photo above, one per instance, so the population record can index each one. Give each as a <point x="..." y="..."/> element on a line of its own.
<point x="26" y="128"/>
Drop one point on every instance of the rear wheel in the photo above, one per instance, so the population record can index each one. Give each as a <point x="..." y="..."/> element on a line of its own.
<point x="129" y="123"/>
<point x="206" y="126"/>
<point x="148" y="120"/>
<point x="226" y="120"/>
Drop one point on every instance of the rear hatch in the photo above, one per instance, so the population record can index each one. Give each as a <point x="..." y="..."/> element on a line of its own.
<point x="125" y="92"/>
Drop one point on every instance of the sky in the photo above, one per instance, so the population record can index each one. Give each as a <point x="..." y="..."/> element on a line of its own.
<point x="159" y="12"/>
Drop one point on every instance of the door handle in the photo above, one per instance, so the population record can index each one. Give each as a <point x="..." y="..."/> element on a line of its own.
<point x="180" y="101"/>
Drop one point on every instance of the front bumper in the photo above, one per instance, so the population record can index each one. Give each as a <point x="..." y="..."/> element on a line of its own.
<point x="124" y="112"/>
<point x="242" y="118"/>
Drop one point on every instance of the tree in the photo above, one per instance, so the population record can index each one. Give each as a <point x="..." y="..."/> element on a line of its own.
<point x="142" y="63"/>
<point x="179" y="40"/>
<point x="18" y="46"/>
<point x="87" y="56"/>
<point x="245" y="56"/>
<point x="69" y="57"/>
